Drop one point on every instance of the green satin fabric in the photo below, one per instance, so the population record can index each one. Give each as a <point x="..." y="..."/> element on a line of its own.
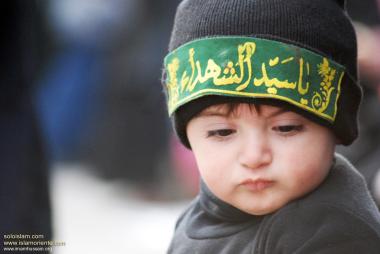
<point x="253" y="67"/>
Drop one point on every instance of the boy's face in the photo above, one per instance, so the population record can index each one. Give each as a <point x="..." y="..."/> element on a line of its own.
<point x="259" y="158"/>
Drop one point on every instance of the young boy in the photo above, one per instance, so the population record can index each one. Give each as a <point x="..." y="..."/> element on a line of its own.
<point x="261" y="91"/>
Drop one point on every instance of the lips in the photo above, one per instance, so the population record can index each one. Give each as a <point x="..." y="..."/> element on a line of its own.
<point x="257" y="185"/>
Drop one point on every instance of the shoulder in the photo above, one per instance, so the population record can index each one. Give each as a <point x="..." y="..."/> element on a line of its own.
<point x="318" y="228"/>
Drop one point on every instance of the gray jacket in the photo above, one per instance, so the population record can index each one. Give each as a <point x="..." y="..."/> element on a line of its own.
<point x="338" y="217"/>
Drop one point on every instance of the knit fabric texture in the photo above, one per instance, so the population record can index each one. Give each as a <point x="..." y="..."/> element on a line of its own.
<point x="322" y="26"/>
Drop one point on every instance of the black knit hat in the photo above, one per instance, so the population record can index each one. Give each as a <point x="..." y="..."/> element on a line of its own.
<point x="319" y="26"/>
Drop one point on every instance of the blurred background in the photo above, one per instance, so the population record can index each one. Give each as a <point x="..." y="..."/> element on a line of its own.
<point x="87" y="155"/>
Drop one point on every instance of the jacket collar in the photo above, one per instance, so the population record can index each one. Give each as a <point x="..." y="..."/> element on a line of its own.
<point x="214" y="218"/>
<point x="219" y="209"/>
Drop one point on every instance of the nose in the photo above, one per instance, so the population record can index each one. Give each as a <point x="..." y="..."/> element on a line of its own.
<point x="255" y="152"/>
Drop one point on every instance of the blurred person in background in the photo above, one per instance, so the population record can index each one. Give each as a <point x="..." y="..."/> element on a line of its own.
<point x="101" y="95"/>
<point x="132" y="133"/>
<point x="24" y="196"/>
<point x="365" y="152"/>
<point x="69" y="94"/>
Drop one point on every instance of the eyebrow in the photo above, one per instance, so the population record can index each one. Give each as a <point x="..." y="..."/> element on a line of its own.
<point x="277" y="112"/>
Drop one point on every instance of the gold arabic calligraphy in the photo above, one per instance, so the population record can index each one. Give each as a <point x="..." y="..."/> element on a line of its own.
<point x="229" y="76"/>
<point x="241" y="74"/>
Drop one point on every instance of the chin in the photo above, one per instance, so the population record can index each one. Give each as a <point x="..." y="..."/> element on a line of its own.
<point x="260" y="210"/>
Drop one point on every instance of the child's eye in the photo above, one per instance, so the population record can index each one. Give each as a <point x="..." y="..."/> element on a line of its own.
<point x="220" y="133"/>
<point x="288" y="129"/>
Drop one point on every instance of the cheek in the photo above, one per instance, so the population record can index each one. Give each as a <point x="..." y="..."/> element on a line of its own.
<point x="305" y="165"/>
<point x="211" y="172"/>
<point x="309" y="176"/>
<point x="216" y="165"/>
<point x="312" y="174"/>
<point x="209" y="162"/>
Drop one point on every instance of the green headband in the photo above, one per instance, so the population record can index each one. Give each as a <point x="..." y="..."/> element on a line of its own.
<point x="256" y="68"/>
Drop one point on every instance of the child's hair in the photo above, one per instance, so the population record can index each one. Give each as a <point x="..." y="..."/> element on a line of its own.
<point x="299" y="54"/>
<point x="230" y="109"/>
